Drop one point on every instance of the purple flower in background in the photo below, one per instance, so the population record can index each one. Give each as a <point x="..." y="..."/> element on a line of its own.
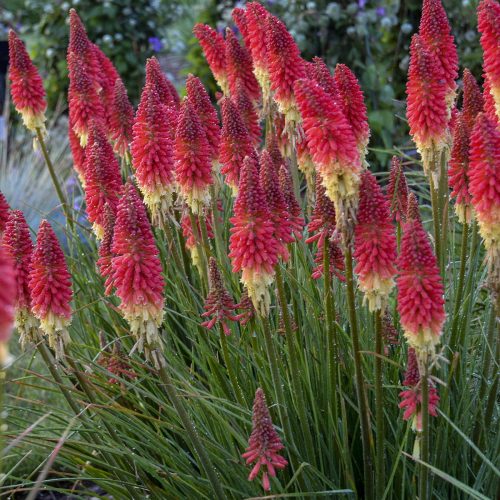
<point x="380" y="11"/>
<point x="362" y="3"/>
<point x="155" y="43"/>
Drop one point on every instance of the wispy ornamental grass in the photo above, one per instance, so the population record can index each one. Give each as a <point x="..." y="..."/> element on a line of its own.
<point x="164" y="395"/>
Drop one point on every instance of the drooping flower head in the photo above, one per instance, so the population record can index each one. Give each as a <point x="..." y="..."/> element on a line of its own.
<point x="219" y="305"/>
<point x="121" y="118"/>
<point x="397" y="191"/>
<point x="164" y="87"/>
<point x="152" y="154"/>
<point x="411" y="398"/>
<point x="285" y="68"/>
<point x="253" y="248"/>
<point x="19" y="247"/>
<point x="26" y="86"/>
<point x="332" y="144"/>
<point x="137" y="273"/>
<point x="488" y="14"/>
<point x="235" y="145"/>
<point x="193" y="169"/>
<point x="116" y="363"/>
<point x="248" y="113"/>
<point x="240" y="68"/>
<point x="7" y="297"/>
<point x="190" y="238"/>
<point x="50" y="288"/>
<point x="77" y="152"/>
<point x="420" y="288"/>
<point x="264" y="444"/>
<point x="293" y="208"/>
<point x="105" y="248"/>
<point x="427" y="109"/>
<point x="214" y="49"/>
<point x="102" y="177"/>
<point x="246" y="305"/>
<point x="375" y="244"/>
<point x="4" y="214"/>
<point x="200" y="100"/>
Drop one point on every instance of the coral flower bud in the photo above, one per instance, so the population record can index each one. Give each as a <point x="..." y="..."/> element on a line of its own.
<point x="246" y="305"/>
<point x="236" y="143"/>
<point x="322" y="76"/>
<point x="152" y="154"/>
<point x="77" y="152"/>
<point x="397" y="191"/>
<point x="375" y="244"/>
<point x="4" y="214"/>
<point x="488" y="14"/>
<point x="248" y="113"/>
<point x="219" y="305"/>
<point x="200" y="100"/>
<point x="411" y="398"/>
<point x="190" y="238"/>
<point x="214" y="49"/>
<point x="7" y="297"/>
<point x="264" y="445"/>
<point x="240" y="67"/>
<point x="121" y="118"/>
<point x="192" y="155"/>
<point x="102" y="178"/>
<point x="253" y="247"/>
<point x="137" y="274"/>
<point x="420" y="288"/>
<point x="332" y="144"/>
<point x="163" y="86"/>
<point x="294" y="211"/>
<point x="427" y="109"/>
<point x="26" y="87"/>
<point x="19" y="247"/>
<point x="50" y="289"/>
<point x="105" y="249"/>
<point x="473" y="101"/>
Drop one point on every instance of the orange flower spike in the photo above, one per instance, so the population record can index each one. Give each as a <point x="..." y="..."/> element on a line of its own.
<point x="7" y="296"/>
<point x="28" y="94"/>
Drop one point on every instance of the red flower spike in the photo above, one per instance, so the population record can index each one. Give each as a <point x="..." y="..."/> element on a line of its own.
<point x="253" y="248"/>
<point x="489" y="102"/>
<point x="413" y="212"/>
<point x="335" y="255"/>
<point x="276" y="203"/>
<point x="397" y="191"/>
<point x="152" y="154"/>
<point x="294" y="212"/>
<point x="264" y="444"/>
<point x="240" y="67"/>
<point x="305" y="162"/>
<point x="322" y="76"/>
<point x="235" y="144"/>
<point x="107" y="77"/>
<point x="427" y="109"/>
<point x="488" y="14"/>
<point x="435" y="32"/>
<point x="77" y="152"/>
<point x="333" y="148"/>
<point x="193" y="169"/>
<point x="248" y="114"/>
<point x="137" y="273"/>
<point x="105" y="249"/>
<point x="246" y="305"/>
<point x="352" y="100"/>
<point x="200" y="100"/>
<point x="121" y="119"/>
<point x="102" y="178"/>
<point x="484" y="186"/>
<point x="285" y="68"/>
<point x="375" y="244"/>
<point x="411" y="398"/>
<point x="4" y="214"/>
<point x="239" y="18"/>
<point x="116" y="363"/>
<point x="420" y="288"/>
<point x="7" y="296"/>
<point x="26" y="86"/>
<point x="323" y="216"/>
<point x="84" y="102"/>
<point x="214" y="49"/>
<point x="19" y="248"/>
<point x="50" y="289"/>
<point x="190" y="239"/>
<point x="389" y="332"/>
<point x="473" y="101"/>
<point x="219" y="305"/>
<point x="163" y="86"/>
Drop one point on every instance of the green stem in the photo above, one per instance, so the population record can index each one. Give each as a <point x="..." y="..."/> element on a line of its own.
<point x="171" y="243"/>
<point x="435" y="219"/>
<point x="55" y="181"/>
<point x="366" y="439"/>
<point x="192" y="434"/>
<point x="218" y="230"/>
<point x="230" y="371"/>
<point x="424" y="471"/>
<point x="379" y="408"/>
<point x="201" y="251"/>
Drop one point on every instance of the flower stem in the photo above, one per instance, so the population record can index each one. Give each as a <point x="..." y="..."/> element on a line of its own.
<point x="436" y="220"/>
<point x="201" y="250"/>
<point x="424" y="471"/>
<point x="379" y="408"/>
<point x="366" y="439"/>
<point x="230" y="371"/>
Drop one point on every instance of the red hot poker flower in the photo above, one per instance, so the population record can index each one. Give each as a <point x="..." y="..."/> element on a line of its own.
<point x="77" y="152"/>
<point x="105" y="249"/>
<point x="7" y="296"/>
<point x="235" y="145"/>
<point x="375" y="244"/>
<point x="489" y="101"/>
<point x="420" y="288"/>
<point x="121" y="118"/>
<point x="214" y="49"/>
<point x="102" y="178"/>
<point x="264" y="444"/>
<point x="294" y="211"/>
<point x="50" y="288"/>
<point x="322" y="76"/>
<point x="192" y="155"/>
<point x="248" y="113"/>
<point x="473" y="101"/>
<point x="246" y="305"/>
<point x="152" y="154"/>
<point x="4" y="213"/>
<point x="19" y="247"/>
<point x="253" y="247"/>
<point x="106" y="78"/>
<point x="156" y="78"/>
<point x="397" y="191"/>
<point x="137" y="273"/>
<point x="26" y="87"/>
